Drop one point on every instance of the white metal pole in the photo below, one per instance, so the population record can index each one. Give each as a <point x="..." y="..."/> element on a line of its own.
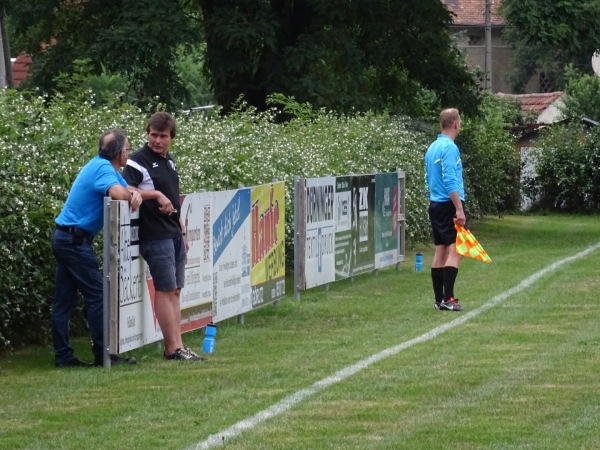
<point x="106" y="284"/>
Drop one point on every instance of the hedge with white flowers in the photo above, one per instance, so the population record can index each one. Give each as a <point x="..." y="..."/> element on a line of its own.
<point x="44" y="143"/>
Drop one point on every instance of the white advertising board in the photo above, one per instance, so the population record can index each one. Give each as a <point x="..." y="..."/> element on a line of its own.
<point x="320" y="231"/>
<point x="231" y="254"/>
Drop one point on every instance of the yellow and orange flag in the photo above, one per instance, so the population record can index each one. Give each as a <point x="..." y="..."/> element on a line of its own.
<point x="467" y="245"/>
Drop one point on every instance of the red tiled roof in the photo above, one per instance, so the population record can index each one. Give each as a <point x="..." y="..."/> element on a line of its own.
<point x="20" y="68"/>
<point x="534" y="102"/>
<point x="472" y="12"/>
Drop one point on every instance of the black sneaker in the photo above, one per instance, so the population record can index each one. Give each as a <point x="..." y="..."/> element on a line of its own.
<point x="115" y="360"/>
<point x="182" y="354"/>
<point x="437" y="305"/>
<point x="193" y="354"/>
<point x="451" y="305"/>
<point x="74" y="362"/>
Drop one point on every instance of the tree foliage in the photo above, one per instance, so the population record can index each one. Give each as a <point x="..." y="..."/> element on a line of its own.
<point x="567" y="162"/>
<point x="137" y="39"/>
<point x="567" y="171"/>
<point x="365" y="54"/>
<point x="549" y="34"/>
<point x="359" y="55"/>
<point x="490" y="159"/>
<point x="582" y="95"/>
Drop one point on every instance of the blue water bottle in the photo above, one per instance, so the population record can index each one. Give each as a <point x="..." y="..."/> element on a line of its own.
<point x="419" y="262"/>
<point x="208" y="346"/>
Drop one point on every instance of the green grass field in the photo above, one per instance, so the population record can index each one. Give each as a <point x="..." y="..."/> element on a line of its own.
<point x="519" y="369"/>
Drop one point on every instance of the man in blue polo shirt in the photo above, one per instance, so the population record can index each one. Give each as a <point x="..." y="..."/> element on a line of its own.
<point x="82" y="218"/>
<point x="445" y="187"/>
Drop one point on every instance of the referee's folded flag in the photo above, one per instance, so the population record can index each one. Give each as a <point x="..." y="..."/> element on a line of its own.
<point x="467" y="245"/>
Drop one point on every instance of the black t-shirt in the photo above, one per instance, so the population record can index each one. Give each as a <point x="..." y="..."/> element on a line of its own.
<point x="148" y="170"/>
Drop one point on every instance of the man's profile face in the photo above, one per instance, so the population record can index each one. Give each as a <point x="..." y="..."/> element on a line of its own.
<point x="124" y="153"/>
<point x="159" y="141"/>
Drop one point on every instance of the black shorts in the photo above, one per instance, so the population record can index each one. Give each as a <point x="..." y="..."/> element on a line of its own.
<point x="441" y="215"/>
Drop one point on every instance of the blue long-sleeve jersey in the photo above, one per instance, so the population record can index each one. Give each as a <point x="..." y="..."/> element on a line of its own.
<point x="443" y="170"/>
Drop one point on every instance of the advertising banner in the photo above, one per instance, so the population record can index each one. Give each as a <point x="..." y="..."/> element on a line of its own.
<point x="320" y="231"/>
<point x="231" y="254"/>
<point x="267" y="249"/>
<point x="367" y="226"/>
<point x="343" y="227"/>
<point x="363" y="229"/>
<point x="136" y="322"/>
<point x="197" y="295"/>
<point x="235" y="261"/>
<point x="386" y="224"/>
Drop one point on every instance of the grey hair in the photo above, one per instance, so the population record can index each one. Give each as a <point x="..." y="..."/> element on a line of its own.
<point x="111" y="143"/>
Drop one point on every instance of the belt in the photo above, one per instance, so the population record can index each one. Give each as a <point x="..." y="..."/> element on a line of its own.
<point x="75" y="231"/>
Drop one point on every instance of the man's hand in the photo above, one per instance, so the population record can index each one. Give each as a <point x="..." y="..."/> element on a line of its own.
<point x="165" y="205"/>
<point x="135" y="200"/>
<point x="461" y="219"/>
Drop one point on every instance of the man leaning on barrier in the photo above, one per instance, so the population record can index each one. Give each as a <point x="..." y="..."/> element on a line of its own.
<point x="163" y="240"/>
<point x="82" y="218"/>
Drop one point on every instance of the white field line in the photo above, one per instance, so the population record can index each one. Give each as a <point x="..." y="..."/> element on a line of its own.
<point x="297" y="397"/>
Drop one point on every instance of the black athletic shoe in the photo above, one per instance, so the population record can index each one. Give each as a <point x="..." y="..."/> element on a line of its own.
<point x="451" y="305"/>
<point x="75" y="362"/>
<point x="182" y="354"/>
<point x="193" y="354"/>
<point x="437" y="305"/>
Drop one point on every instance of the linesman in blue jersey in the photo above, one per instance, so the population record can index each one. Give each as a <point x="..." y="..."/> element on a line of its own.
<point x="445" y="187"/>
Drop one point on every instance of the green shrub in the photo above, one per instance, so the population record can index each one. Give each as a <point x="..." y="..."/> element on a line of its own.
<point x="42" y="148"/>
<point x="490" y="159"/>
<point x="567" y="159"/>
<point x="568" y="170"/>
<point x="250" y="148"/>
<point x="582" y="95"/>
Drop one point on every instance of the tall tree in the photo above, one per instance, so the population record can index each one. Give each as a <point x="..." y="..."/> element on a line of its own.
<point x="549" y="34"/>
<point x="362" y="54"/>
<point x="5" y="61"/>
<point x="135" y="38"/>
<point x="340" y="54"/>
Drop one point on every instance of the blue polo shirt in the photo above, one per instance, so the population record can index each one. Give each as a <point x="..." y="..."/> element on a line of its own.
<point x="443" y="170"/>
<point x="84" y="207"/>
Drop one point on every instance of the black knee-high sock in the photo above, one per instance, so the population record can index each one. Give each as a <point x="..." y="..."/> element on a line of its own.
<point x="437" y="279"/>
<point x="450" y="274"/>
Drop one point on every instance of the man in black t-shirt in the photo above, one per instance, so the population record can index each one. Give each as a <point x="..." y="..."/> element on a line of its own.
<point x="163" y="242"/>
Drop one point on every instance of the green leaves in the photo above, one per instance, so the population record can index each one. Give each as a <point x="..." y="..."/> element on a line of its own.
<point x="490" y="159"/>
<point x="42" y="147"/>
<point x="137" y="40"/>
<point x="363" y="55"/>
<point x="568" y="161"/>
<point x="549" y="35"/>
<point x="344" y="56"/>
<point x="582" y="95"/>
<point x="567" y="170"/>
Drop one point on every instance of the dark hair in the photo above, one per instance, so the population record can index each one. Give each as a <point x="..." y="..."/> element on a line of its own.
<point x="111" y="143"/>
<point x="162" y="121"/>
